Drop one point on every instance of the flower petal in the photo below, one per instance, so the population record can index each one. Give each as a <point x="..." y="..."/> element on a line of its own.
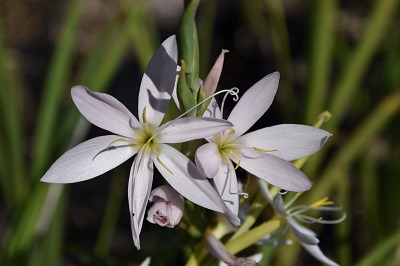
<point x="139" y="187"/>
<point x="302" y="233"/>
<point x="253" y="104"/>
<point x="227" y="186"/>
<point x="89" y="159"/>
<point x="213" y="110"/>
<point x="211" y="81"/>
<point x="186" y="179"/>
<point x="218" y="250"/>
<point x="316" y="252"/>
<point x="190" y="128"/>
<point x="279" y="205"/>
<point x="208" y="159"/>
<point x="158" y="83"/>
<point x="104" y="111"/>
<point x="272" y="169"/>
<point x="289" y="142"/>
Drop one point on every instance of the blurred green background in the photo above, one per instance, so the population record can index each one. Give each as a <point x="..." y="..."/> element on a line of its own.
<point x="340" y="56"/>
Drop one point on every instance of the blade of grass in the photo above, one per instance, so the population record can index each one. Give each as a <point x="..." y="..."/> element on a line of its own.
<point x="353" y="73"/>
<point x="53" y="89"/>
<point x="142" y="28"/>
<point x="381" y="250"/>
<point x="280" y="37"/>
<point x="48" y="247"/>
<point x="343" y="229"/>
<point x="11" y="155"/>
<point x="357" y="144"/>
<point x="322" y="36"/>
<point x="110" y="218"/>
<point x="205" y="25"/>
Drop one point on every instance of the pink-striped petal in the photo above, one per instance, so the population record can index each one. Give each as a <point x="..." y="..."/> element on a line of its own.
<point x="253" y="104"/>
<point x="287" y="141"/>
<point x="190" y="128"/>
<point x="104" y="111"/>
<point x="89" y="159"/>
<point x="158" y="83"/>
<point x="208" y="159"/>
<point x="139" y="187"/>
<point x="272" y="169"/>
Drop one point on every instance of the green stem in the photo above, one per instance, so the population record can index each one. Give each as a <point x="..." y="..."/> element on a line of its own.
<point x="255" y="210"/>
<point x="256" y="234"/>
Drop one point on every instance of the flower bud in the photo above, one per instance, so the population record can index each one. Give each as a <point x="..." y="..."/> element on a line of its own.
<point x="211" y="81"/>
<point x="168" y="207"/>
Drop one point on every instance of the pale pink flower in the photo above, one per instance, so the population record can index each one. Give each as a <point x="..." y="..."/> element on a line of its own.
<point x="168" y="207"/>
<point x="264" y="153"/>
<point x="146" y="138"/>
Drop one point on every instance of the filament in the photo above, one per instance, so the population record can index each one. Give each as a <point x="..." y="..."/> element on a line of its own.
<point x="163" y="165"/>
<point x="233" y="91"/>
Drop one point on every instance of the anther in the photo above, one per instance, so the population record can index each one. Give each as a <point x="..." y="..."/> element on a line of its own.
<point x="163" y="165"/>
<point x="117" y="140"/>
<point x="244" y="194"/>
<point x="262" y="150"/>
<point x="321" y="202"/>
<point x="239" y="160"/>
<point x="144" y="115"/>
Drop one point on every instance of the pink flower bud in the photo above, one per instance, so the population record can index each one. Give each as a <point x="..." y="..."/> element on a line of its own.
<point x="211" y="81"/>
<point x="168" y="207"/>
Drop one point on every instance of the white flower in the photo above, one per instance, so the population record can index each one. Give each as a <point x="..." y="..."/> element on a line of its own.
<point x="144" y="137"/>
<point x="306" y="237"/>
<point x="264" y="153"/>
<point x="168" y="207"/>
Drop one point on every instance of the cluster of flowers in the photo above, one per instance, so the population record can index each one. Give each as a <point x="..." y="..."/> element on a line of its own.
<point x="265" y="153"/>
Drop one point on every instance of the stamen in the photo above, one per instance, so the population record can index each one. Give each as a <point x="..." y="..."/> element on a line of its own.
<point x="244" y="194"/>
<point x="231" y="131"/>
<point x="163" y="164"/>
<point x="144" y="115"/>
<point x="233" y="91"/>
<point x="109" y="146"/>
<point x="292" y="200"/>
<point x="321" y="202"/>
<point x="239" y="160"/>
<point x="282" y="191"/>
<point x="117" y="140"/>
<point x="262" y="150"/>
